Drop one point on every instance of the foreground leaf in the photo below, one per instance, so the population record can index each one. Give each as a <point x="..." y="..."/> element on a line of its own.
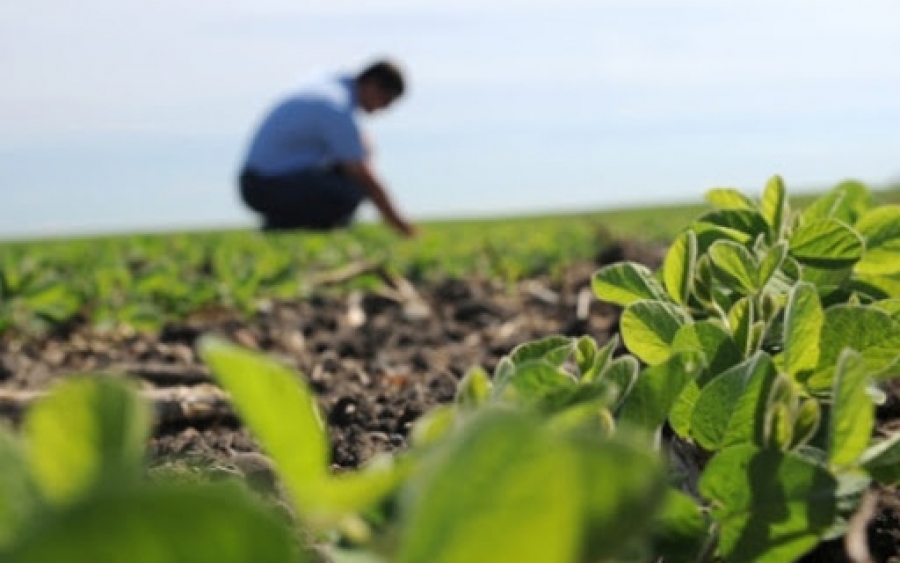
<point x="772" y="506"/>
<point x="87" y="431"/>
<point x="520" y="500"/>
<point x="280" y="411"/>
<point x="160" y="524"/>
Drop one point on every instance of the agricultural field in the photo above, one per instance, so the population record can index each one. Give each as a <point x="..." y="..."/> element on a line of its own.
<point x="726" y="367"/>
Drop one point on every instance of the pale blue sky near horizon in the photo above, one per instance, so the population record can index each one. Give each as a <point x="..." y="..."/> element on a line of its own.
<point x="127" y="115"/>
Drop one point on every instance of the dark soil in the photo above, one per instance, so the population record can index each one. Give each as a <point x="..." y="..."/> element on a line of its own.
<point x="376" y="361"/>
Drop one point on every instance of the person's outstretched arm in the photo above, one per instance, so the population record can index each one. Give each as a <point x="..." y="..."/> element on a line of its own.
<point x="363" y="173"/>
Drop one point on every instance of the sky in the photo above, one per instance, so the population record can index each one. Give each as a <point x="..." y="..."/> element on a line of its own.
<point x="134" y="115"/>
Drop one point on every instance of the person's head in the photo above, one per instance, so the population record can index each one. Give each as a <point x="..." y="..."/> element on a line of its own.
<point x="378" y="85"/>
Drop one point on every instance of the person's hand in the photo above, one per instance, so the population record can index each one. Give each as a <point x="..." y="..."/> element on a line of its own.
<point x="408" y="230"/>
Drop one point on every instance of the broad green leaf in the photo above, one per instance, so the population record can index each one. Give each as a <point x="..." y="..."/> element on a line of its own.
<point x="731" y="408"/>
<point x="882" y="461"/>
<point x="279" y="410"/>
<point x="891" y="306"/>
<point x="774" y="206"/>
<point x="649" y="327"/>
<point x="846" y="202"/>
<point x="878" y="287"/>
<point x="880" y="228"/>
<point x="19" y="496"/>
<point x="633" y="483"/>
<point x="852" y="412"/>
<point x="868" y="330"/>
<point x="826" y="243"/>
<point x="474" y="389"/>
<point x="624" y="283"/>
<point x="770" y="263"/>
<point x="678" y="267"/>
<point x="161" y="524"/>
<point x="537" y="383"/>
<point x="680" y="529"/>
<point x="86" y="432"/>
<point x="657" y="388"/>
<point x="772" y="506"/>
<point x="735" y="266"/>
<point x="803" y="320"/>
<point x="683" y="408"/>
<point x="552" y="349"/>
<point x="729" y="198"/>
<point x="713" y="341"/>
<point x="519" y="483"/>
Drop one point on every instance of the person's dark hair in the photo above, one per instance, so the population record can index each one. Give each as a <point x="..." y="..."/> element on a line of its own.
<point x="386" y="74"/>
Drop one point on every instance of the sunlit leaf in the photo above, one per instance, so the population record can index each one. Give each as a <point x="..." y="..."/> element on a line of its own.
<point x="161" y="524"/>
<point x="678" y="267"/>
<point x="852" y="413"/>
<point x="624" y="283"/>
<point x="87" y="431"/>
<point x="649" y="327"/>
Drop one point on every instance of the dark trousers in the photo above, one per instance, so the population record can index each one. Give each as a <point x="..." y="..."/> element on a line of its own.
<point x="319" y="199"/>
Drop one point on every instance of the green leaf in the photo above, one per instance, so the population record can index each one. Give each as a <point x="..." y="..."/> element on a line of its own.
<point x="826" y="243"/>
<point x="770" y="263"/>
<point x="803" y="320"/>
<point x="882" y="461"/>
<point x="852" y="413"/>
<point x="772" y="506"/>
<point x="735" y="266"/>
<point x="729" y="198"/>
<point x="741" y="320"/>
<point x="624" y="283"/>
<point x="806" y="422"/>
<point x="649" y="327"/>
<point x="519" y="483"/>
<point x="683" y="408"/>
<point x="678" y="267"/>
<point x="592" y="361"/>
<point x="279" y="410"/>
<point x="868" y="330"/>
<point x="658" y="387"/>
<point x="774" y="206"/>
<point x="86" y="432"/>
<point x="623" y="373"/>
<point x="713" y="341"/>
<point x="552" y="349"/>
<point x="680" y="529"/>
<point x="846" y="202"/>
<point x="880" y="228"/>
<point x="160" y="524"/>
<point x="19" y="496"/>
<point x="731" y="408"/>
<point x="633" y="483"/>
<point x="537" y="383"/>
<point x="474" y="389"/>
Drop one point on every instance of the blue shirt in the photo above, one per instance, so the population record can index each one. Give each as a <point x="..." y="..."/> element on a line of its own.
<point x="314" y="128"/>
